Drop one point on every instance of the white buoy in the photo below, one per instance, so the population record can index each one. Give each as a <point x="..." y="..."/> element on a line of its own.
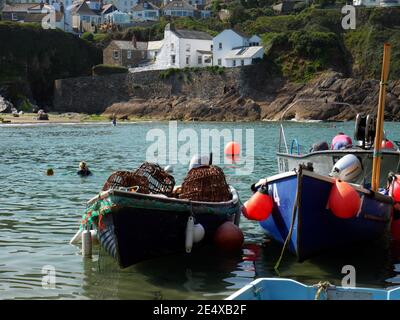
<point x="198" y="233"/>
<point x="189" y="234"/>
<point x="87" y="243"/>
<point x="93" y="233"/>
<point x="76" y="238"/>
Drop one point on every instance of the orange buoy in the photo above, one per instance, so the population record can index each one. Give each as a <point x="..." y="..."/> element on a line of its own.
<point x="232" y="149"/>
<point x="228" y="237"/>
<point x="387" y="144"/>
<point x="344" y="201"/>
<point x="259" y="206"/>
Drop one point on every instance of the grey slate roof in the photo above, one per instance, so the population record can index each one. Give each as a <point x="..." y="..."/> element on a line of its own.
<point x="179" y="5"/>
<point x="128" y="45"/>
<point x="18" y="7"/>
<point x="190" y="34"/>
<point x="141" y="7"/>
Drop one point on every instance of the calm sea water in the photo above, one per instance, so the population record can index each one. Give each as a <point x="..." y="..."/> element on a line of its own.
<point x="39" y="215"/>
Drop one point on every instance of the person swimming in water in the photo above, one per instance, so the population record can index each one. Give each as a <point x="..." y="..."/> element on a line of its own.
<point x="83" y="169"/>
<point x="341" y="141"/>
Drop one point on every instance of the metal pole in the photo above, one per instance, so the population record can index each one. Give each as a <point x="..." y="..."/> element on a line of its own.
<point x="376" y="164"/>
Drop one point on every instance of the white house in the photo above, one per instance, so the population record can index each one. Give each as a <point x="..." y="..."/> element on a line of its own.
<point x="179" y="49"/>
<point x="145" y="11"/>
<point x="232" y="48"/>
<point x="376" y="3"/>
<point x="153" y="49"/>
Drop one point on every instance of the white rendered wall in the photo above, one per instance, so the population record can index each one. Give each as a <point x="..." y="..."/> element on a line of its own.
<point x="229" y="40"/>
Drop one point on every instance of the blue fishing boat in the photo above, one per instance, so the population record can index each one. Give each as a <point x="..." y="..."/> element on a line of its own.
<point x="288" y="289"/>
<point x="300" y="216"/>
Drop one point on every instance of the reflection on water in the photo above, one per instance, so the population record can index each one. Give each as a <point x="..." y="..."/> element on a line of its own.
<point x="39" y="214"/>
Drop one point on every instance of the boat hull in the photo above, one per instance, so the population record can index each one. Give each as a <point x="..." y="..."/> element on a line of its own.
<point x="288" y="289"/>
<point x="323" y="162"/>
<point x="142" y="227"/>
<point x="315" y="228"/>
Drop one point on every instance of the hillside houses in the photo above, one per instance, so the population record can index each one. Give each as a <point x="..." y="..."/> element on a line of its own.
<point x="232" y="48"/>
<point x="187" y="48"/>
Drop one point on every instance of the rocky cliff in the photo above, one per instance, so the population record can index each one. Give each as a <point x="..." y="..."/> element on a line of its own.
<point x="239" y="94"/>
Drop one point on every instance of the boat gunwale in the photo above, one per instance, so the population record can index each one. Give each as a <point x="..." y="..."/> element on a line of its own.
<point x="113" y="192"/>
<point x="357" y="187"/>
<point x="328" y="152"/>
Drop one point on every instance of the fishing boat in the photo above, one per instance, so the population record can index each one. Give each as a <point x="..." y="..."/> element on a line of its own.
<point x="140" y="227"/>
<point x="323" y="159"/>
<point x="288" y="289"/>
<point x="311" y="213"/>
<point x="300" y="216"/>
<point x="141" y="214"/>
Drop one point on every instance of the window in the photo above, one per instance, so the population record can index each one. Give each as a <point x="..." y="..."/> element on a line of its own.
<point x="14" y="17"/>
<point x="155" y="53"/>
<point x="116" y="54"/>
<point x="126" y="3"/>
<point x="234" y="63"/>
<point x="212" y="47"/>
<point x="242" y="62"/>
<point x="187" y="59"/>
<point x="172" y="47"/>
<point x="129" y="54"/>
<point x="173" y="59"/>
<point x="187" y="47"/>
<point x="220" y="45"/>
<point x="207" y="60"/>
<point x="219" y="62"/>
<point x="199" y="60"/>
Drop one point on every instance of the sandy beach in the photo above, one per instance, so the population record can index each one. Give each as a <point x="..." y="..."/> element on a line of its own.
<point x="31" y="118"/>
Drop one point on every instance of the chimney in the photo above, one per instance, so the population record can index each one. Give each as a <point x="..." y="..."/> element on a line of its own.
<point x="134" y="41"/>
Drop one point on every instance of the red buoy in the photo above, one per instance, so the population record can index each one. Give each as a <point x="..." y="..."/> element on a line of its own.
<point x="387" y="144"/>
<point x="259" y="206"/>
<point x="229" y="237"/>
<point x="344" y="201"/>
<point x="394" y="188"/>
<point x="232" y="149"/>
<point x="395" y="229"/>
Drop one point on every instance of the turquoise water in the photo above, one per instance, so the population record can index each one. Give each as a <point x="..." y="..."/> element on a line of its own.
<point x="39" y="214"/>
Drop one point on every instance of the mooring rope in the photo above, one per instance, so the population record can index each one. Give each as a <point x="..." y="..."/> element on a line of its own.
<point x="322" y="286"/>
<point x="295" y="209"/>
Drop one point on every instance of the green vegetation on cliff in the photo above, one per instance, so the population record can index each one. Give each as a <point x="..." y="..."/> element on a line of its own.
<point x="304" y="43"/>
<point x="31" y="58"/>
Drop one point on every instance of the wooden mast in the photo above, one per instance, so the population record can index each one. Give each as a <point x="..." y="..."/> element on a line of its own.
<point x="376" y="164"/>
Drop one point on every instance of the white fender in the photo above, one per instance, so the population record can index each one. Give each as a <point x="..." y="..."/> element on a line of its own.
<point x="189" y="234"/>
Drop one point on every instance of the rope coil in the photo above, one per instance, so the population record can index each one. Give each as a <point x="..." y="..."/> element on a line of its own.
<point x="322" y="286"/>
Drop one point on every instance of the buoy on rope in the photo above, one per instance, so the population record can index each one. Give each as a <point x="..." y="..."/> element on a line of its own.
<point x="229" y="237"/>
<point x="387" y="144"/>
<point x="198" y="233"/>
<point x="189" y="234"/>
<point x="394" y="192"/>
<point x="86" y="244"/>
<point x="232" y="148"/>
<point x="259" y="206"/>
<point x="344" y="201"/>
